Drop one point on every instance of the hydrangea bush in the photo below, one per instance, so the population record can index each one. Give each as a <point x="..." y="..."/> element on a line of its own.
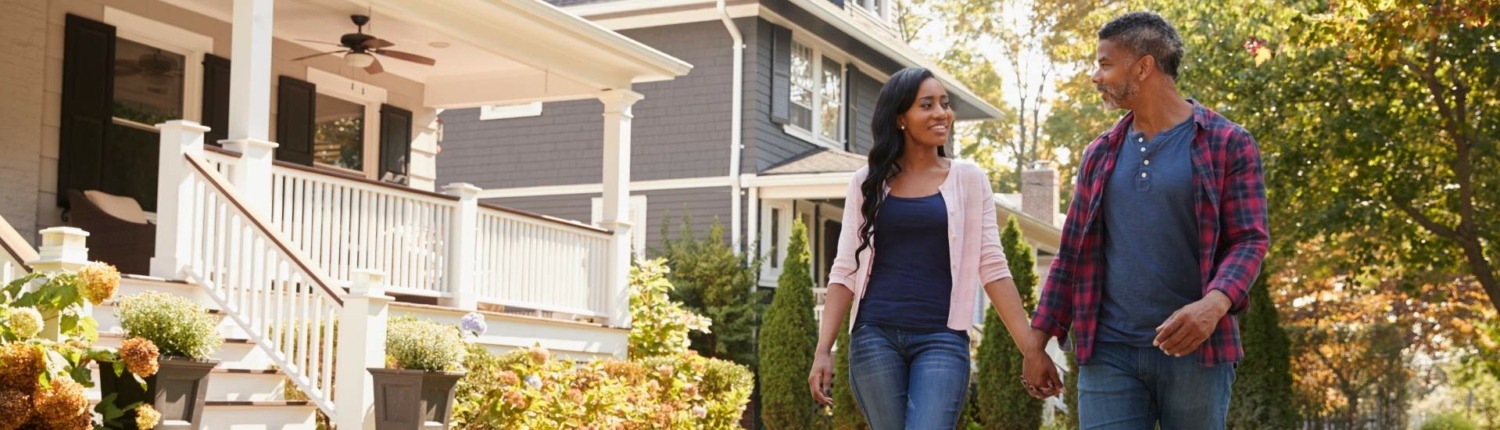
<point x="664" y="385"/>
<point x="44" y="372"/>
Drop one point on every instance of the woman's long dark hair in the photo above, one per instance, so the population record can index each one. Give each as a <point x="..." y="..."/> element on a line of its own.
<point x="896" y="97"/>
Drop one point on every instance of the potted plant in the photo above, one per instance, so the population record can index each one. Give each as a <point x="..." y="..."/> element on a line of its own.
<point x="186" y="338"/>
<point x="415" y="390"/>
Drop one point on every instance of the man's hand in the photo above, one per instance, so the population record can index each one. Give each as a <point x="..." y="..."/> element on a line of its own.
<point x="1187" y="328"/>
<point x="1038" y="372"/>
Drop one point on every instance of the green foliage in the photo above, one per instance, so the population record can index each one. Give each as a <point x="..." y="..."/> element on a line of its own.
<point x="659" y="326"/>
<point x="178" y="326"/>
<point x="529" y="389"/>
<point x="1070" y="399"/>
<point x="1263" y="395"/>
<point x="1449" y="421"/>
<point x="788" y="341"/>
<point x="424" y="345"/>
<point x="1006" y="404"/>
<point x="712" y="280"/>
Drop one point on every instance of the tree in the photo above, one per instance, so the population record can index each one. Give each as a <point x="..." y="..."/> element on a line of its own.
<point x="789" y="339"/>
<point x="846" y="413"/>
<point x="1263" y="396"/>
<point x="1006" y="404"/>
<point x="659" y="326"/>
<point x="712" y="280"/>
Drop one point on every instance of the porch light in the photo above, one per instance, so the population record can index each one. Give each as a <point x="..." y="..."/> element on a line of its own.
<point x="359" y="59"/>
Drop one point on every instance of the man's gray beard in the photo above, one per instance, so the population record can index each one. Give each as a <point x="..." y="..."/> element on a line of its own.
<point x="1111" y="101"/>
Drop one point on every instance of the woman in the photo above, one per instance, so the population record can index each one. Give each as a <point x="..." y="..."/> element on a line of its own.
<point x="919" y="235"/>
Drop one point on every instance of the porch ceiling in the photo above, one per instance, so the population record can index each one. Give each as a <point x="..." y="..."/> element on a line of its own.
<point x="498" y="51"/>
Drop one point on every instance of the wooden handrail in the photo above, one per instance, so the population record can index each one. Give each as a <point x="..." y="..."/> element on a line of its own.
<point x="9" y="234"/>
<point x="219" y="150"/>
<point x="547" y="219"/>
<point x="361" y="179"/>
<point x="274" y="235"/>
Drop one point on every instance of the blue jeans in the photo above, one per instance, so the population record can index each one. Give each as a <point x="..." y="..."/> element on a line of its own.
<point x="1128" y="388"/>
<point x="907" y="380"/>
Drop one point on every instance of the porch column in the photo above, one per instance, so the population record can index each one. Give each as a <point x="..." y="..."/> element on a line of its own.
<point x="363" y="320"/>
<point x="462" y="250"/>
<point x="250" y="102"/>
<point x="616" y="210"/>
<point x="174" y="197"/>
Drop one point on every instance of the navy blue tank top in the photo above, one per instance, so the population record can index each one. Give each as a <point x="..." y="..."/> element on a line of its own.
<point x="910" y="281"/>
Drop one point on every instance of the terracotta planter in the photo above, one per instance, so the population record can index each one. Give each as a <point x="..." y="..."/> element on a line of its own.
<point x="177" y="391"/>
<point x="413" y="399"/>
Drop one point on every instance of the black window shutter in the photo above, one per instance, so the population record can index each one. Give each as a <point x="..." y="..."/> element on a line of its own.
<point x="850" y="125"/>
<point x="781" y="74"/>
<point x="215" y="98"/>
<point x="395" y="144"/>
<point x="87" y="101"/>
<point x="295" y="106"/>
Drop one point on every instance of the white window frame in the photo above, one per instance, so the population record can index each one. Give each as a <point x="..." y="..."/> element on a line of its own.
<point x="814" y="134"/>
<point x="638" y="217"/>
<point x="882" y="14"/>
<point x="156" y="34"/>
<point x="822" y="260"/>
<point x="371" y="97"/>
<point x="768" y="274"/>
<point x="523" y="110"/>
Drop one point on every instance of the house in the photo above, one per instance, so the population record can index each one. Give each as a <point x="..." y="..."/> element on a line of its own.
<point x="275" y="160"/>
<point x="770" y="125"/>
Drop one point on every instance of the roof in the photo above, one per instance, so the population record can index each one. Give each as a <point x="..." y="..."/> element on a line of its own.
<point x="820" y="160"/>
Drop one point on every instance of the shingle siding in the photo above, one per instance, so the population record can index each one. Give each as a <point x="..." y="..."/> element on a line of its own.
<point x="680" y="130"/>
<point x="702" y="203"/>
<point x="866" y="91"/>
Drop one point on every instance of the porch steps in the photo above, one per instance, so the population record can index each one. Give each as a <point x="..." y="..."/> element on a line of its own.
<point x="245" y="392"/>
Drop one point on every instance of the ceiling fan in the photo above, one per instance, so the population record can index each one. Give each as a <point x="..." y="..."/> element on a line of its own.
<point x="154" y="64"/>
<point x="358" y="46"/>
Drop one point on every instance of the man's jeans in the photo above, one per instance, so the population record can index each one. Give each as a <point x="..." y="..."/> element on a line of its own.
<point x="907" y="380"/>
<point x="1129" y="388"/>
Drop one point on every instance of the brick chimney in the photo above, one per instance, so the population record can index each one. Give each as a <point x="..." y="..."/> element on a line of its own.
<point x="1039" y="191"/>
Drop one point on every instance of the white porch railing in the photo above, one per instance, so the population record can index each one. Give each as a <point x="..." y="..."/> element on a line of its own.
<point x="537" y="263"/>
<point x="348" y="223"/>
<point x="14" y="252"/>
<point x="274" y="294"/>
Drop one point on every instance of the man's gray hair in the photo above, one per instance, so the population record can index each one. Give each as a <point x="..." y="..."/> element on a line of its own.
<point x="1146" y="33"/>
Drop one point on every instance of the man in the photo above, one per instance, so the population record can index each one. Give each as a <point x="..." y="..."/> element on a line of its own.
<point x="1165" y="235"/>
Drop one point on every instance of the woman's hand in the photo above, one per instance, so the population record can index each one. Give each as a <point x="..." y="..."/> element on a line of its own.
<point x="820" y="381"/>
<point x="1039" y="374"/>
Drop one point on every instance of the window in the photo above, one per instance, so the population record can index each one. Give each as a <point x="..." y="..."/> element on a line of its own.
<point x="149" y="88"/>
<point x="879" y="8"/>
<point x="338" y="134"/>
<point x="346" y="123"/>
<point x="817" y="97"/>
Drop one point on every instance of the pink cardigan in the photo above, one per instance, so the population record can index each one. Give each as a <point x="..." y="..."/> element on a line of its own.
<point x="973" y="241"/>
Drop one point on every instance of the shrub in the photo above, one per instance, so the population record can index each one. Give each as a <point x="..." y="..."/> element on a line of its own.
<point x="787" y="342"/>
<point x="178" y="326"/>
<point x="415" y="344"/>
<point x="659" y="326"/>
<point x="846" y="413"/>
<point x="515" y="390"/>
<point x="1263" y="391"/>
<point x="712" y="280"/>
<point x="1449" y="421"/>
<point x="1007" y="405"/>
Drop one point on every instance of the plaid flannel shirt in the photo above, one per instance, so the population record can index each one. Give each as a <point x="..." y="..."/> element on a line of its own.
<point x="1231" y="208"/>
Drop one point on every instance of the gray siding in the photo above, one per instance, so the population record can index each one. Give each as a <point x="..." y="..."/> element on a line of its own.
<point x="681" y="128"/>
<point x="702" y="203"/>
<point x="866" y="91"/>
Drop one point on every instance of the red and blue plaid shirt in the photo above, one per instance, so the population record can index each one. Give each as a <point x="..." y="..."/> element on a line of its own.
<point x="1231" y="207"/>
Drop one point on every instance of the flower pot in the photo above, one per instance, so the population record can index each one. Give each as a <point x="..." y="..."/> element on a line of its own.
<point x="413" y="399"/>
<point x="177" y="391"/>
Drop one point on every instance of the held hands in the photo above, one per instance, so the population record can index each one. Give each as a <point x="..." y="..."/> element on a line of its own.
<point x="820" y="381"/>
<point x="1187" y="328"/>
<point x="1038" y="373"/>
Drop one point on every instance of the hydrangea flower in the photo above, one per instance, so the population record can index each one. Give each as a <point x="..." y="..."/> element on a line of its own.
<point x="473" y="323"/>
<point x="25" y="322"/>
<point x="146" y="417"/>
<point x="534" y="381"/>
<point x="99" y="281"/>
